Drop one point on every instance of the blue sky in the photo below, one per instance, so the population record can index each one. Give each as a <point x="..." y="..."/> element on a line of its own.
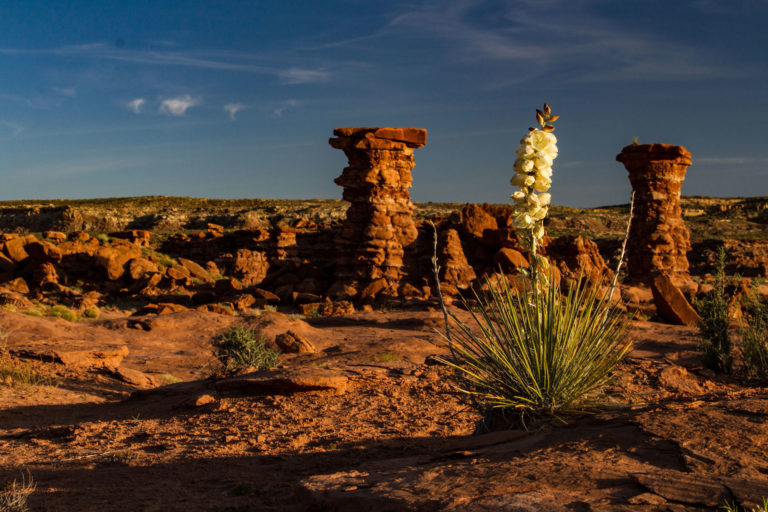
<point x="238" y="99"/>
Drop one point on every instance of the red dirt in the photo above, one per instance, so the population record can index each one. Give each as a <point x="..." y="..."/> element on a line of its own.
<point x="680" y="437"/>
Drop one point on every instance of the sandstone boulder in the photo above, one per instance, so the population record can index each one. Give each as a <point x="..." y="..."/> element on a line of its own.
<point x="250" y="267"/>
<point x="141" y="268"/>
<point x="283" y="381"/>
<point x="476" y="220"/>
<point x="135" y="236"/>
<point x="113" y="259"/>
<point x="292" y="343"/>
<point x="196" y="271"/>
<point x="56" y="236"/>
<point x="14" y="249"/>
<point x="43" y="252"/>
<point x="18" y="285"/>
<point x="670" y="302"/>
<point x="576" y="256"/>
<point x="510" y="260"/>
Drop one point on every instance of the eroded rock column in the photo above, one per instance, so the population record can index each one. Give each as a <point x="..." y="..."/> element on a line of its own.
<point x="659" y="239"/>
<point x="379" y="223"/>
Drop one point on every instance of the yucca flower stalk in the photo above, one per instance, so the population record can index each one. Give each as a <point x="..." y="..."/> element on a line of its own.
<point x="534" y="350"/>
<point x="533" y="176"/>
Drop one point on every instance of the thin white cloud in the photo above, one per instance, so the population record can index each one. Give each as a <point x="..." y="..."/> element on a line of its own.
<point x="220" y="60"/>
<point x="10" y="130"/>
<point x="303" y="76"/>
<point x="278" y="112"/>
<point x="136" y="105"/>
<point x="66" y="91"/>
<point x="233" y="108"/>
<point x="179" y="105"/>
<point x="563" y="40"/>
<point x="730" y="160"/>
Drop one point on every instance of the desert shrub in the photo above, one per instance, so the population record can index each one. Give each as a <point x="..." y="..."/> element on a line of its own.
<point x="91" y="313"/>
<point x="103" y="238"/>
<point x="534" y="351"/>
<point x="539" y="353"/>
<point x="239" y="347"/>
<point x="13" y="496"/>
<point x="754" y="336"/>
<point x="21" y="373"/>
<point x="162" y="260"/>
<point x="62" y="312"/>
<point x="714" y="308"/>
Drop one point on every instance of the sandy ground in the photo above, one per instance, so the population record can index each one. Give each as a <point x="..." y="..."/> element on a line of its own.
<point x="376" y="425"/>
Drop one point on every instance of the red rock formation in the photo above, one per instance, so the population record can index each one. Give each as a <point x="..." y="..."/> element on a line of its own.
<point x="670" y="302"/>
<point x="658" y="240"/>
<point x="577" y="257"/>
<point x="379" y="224"/>
<point x="454" y="268"/>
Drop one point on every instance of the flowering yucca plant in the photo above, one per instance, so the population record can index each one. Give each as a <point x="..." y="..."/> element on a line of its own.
<point x="533" y="175"/>
<point x="533" y="350"/>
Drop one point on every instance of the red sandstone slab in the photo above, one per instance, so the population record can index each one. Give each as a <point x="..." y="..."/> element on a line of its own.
<point x="654" y="152"/>
<point x="414" y="137"/>
<point x="671" y="304"/>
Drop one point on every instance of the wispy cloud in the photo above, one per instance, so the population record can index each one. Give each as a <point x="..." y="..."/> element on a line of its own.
<point x="211" y="60"/>
<point x="136" y="105"/>
<point x="179" y="105"/>
<point x="233" y="108"/>
<point x="9" y="129"/>
<point x="66" y="91"/>
<point x="278" y="112"/>
<point x="303" y="76"/>
<point x="730" y="160"/>
<point x="566" y="41"/>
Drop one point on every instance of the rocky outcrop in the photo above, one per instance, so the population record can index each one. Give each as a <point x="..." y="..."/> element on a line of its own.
<point x="454" y="268"/>
<point x="659" y="239"/>
<point x="379" y="223"/>
<point x="577" y="257"/>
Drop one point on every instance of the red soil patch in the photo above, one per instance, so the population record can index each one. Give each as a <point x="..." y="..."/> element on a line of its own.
<point x="397" y="438"/>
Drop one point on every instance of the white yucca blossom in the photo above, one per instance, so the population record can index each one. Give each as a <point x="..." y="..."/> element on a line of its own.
<point x="533" y="175"/>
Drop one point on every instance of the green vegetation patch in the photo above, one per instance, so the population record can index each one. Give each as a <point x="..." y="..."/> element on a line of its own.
<point x="240" y="347"/>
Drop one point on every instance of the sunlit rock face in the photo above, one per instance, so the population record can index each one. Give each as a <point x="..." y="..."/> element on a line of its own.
<point x="379" y="222"/>
<point x="659" y="239"/>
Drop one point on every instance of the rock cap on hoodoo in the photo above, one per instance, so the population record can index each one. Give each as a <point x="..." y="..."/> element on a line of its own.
<point x="654" y="152"/>
<point x="412" y="137"/>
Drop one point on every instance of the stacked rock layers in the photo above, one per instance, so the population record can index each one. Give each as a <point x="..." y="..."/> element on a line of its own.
<point x="658" y="240"/>
<point x="379" y="222"/>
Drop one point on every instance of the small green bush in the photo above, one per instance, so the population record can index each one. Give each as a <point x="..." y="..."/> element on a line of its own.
<point x="754" y="337"/>
<point x="714" y="309"/>
<point x="91" y="313"/>
<point x="62" y="312"/>
<point x="239" y="347"/>
<point x="162" y="260"/>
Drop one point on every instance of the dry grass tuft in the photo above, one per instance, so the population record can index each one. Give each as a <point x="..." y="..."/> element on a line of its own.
<point x="13" y="496"/>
